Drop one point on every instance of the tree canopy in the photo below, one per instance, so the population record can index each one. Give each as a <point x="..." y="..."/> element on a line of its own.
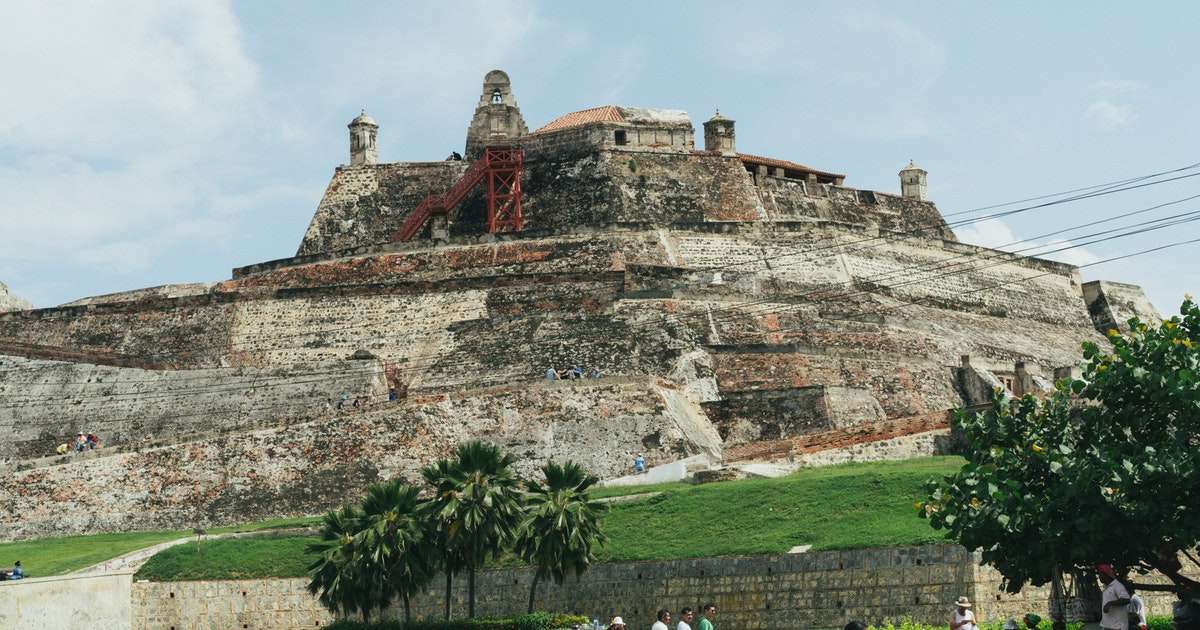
<point x="1106" y="469"/>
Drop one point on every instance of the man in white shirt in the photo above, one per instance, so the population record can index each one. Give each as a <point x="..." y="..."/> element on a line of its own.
<point x="685" y="619"/>
<point x="664" y="618"/>
<point x="1114" y="601"/>
<point x="1137" y="610"/>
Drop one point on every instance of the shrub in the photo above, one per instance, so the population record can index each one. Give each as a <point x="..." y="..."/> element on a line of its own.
<point x="532" y="621"/>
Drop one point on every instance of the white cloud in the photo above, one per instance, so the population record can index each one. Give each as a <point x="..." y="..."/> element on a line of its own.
<point x="124" y="117"/>
<point x="1108" y="116"/>
<point x="1109" y="111"/>
<point x="996" y="234"/>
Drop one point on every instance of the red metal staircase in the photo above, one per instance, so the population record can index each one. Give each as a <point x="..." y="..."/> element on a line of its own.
<point x="502" y="166"/>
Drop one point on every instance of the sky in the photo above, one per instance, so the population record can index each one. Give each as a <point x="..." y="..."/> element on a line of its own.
<point x="150" y="142"/>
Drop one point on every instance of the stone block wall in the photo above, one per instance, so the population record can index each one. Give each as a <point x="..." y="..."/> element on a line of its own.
<point x="307" y="467"/>
<point x="44" y="403"/>
<point x="1113" y="304"/>
<point x="813" y="590"/>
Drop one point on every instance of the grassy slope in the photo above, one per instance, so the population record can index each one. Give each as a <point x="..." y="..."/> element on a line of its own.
<point x="53" y="556"/>
<point x="838" y="507"/>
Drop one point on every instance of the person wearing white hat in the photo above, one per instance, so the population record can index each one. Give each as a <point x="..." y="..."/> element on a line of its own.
<point x="617" y="623"/>
<point x="963" y="618"/>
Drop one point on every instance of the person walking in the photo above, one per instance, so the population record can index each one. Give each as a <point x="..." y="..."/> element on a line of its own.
<point x="1114" y="600"/>
<point x="617" y="623"/>
<point x="963" y="618"/>
<point x="639" y="464"/>
<point x="1137" y="612"/>
<point x="685" y="618"/>
<point x="664" y="618"/>
<point x="707" y="612"/>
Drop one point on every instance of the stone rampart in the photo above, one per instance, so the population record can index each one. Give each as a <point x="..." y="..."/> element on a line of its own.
<point x="1113" y="304"/>
<point x="44" y="403"/>
<point x="811" y="590"/>
<point x="306" y="467"/>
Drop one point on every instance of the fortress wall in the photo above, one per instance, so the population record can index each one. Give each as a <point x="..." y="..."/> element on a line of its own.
<point x="789" y="199"/>
<point x="45" y="403"/>
<point x="366" y="204"/>
<point x="567" y="254"/>
<point x="308" y="467"/>
<point x="1113" y="304"/>
<point x="902" y="388"/>
<point x="185" y="332"/>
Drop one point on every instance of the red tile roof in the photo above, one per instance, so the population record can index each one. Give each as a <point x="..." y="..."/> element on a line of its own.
<point x="606" y="113"/>
<point x="791" y="166"/>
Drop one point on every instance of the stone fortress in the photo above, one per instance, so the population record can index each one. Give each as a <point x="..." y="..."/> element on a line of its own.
<point x="739" y="308"/>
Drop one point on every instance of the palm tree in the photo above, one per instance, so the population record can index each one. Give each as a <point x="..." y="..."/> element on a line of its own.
<point x="562" y="527"/>
<point x="338" y="575"/>
<point x="393" y="540"/>
<point x="438" y="475"/>
<point x="481" y="503"/>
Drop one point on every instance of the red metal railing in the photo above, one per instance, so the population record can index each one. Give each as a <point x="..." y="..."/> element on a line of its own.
<point x="503" y="167"/>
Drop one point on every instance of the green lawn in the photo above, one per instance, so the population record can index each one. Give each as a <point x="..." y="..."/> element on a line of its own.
<point x="229" y="559"/>
<point x="53" y="556"/>
<point x="837" y="507"/>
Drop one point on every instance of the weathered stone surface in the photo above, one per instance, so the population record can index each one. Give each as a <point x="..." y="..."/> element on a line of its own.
<point x="304" y="466"/>
<point x="1113" y="304"/>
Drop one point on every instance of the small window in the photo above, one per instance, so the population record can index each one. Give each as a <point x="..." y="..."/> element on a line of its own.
<point x="621" y="138"/>
<point x="497" y="98"/>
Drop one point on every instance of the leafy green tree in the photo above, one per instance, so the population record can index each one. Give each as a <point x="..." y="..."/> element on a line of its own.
<point x="394" y="540"/>
<point x="1106" y="469"/>
<point x="562" y="524"/>
<point x="338" y="576"/>
<point x="480" y="501"/>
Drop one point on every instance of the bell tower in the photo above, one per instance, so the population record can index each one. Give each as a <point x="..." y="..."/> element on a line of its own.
<point x="913" y="182"/>
<point x="497" y="118"/>
<point x="719" y="136"/>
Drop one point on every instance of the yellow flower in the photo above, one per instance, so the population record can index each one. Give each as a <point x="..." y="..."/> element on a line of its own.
<point x="1187" y="343"/>
<point x="976" y="503"/>
<point x="916" y="505"/>
<point x="1113" y="332"/>
<point x="1170" y="325"/>
<point x="1036" y="449"/>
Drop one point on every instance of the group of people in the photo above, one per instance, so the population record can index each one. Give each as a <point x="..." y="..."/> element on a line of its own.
<point x="687" y="617"/>
<point x="1121" y="609"/>
<point x="83" y="442"/>
<point x="15" y="573"/>
<point x="569" y="374"/>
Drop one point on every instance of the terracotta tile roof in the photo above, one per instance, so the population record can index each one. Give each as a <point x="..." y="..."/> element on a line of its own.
<point x="791" y="166"/>
<point x="606" y="113"/>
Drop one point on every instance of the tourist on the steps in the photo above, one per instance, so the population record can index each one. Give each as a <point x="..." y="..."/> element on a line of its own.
<point x="963" y="618"/>
<point x="639" y="464"/>
<point x="62" y="448"/>
<point x="664" y="618"/>
<point x="17" y="572"/>
<point x="391" y="394"/>
<point x="80" y="442"/>
<point x="685" y="619"/>
<point x="93" y="441"/>
<point x="706" y="614"/>
<point x="594" y="372"/>
<point x="576" y="372"/>
<point x="551" y="375"/>
<point x="617" y="623"/>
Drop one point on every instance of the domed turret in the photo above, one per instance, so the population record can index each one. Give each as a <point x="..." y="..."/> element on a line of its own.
<point x="913" y="182"/>
<point x="719" y="136"/>
<point x="363" y="133"/>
